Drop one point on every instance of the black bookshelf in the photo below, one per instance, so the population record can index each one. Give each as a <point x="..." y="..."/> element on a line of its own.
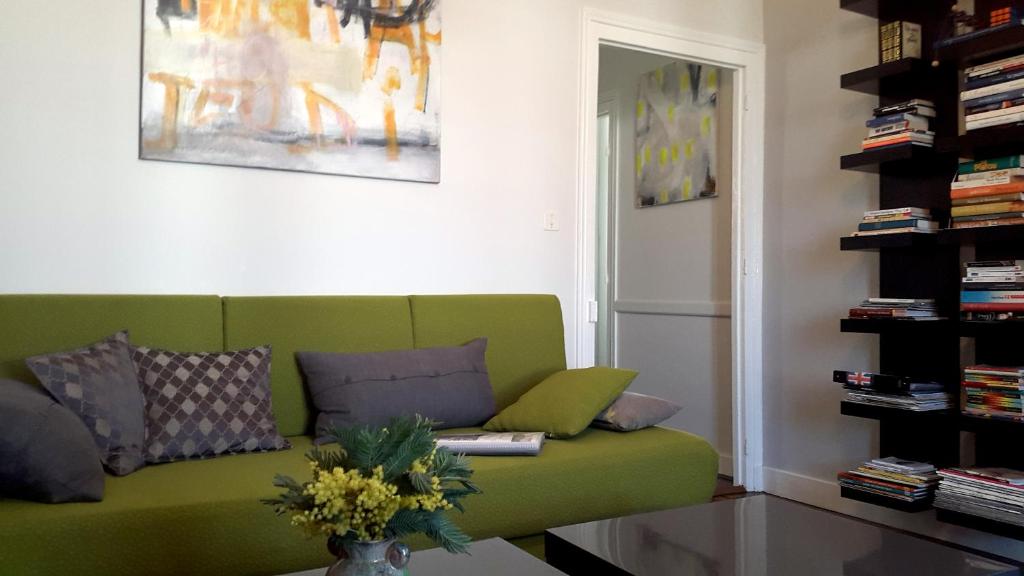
<point x="883" y="241"/>
<point x="988" y="235"/>
<point x="1002" y="330"/>
<point x="895" y="326"/>
<point x="900" y="76"/>
<point x="978" y="523"/>
<point x="870" y="412"/>
<point x="987" y="142"/>
<point x="899" y="158"/>
<point x="990" y="425"/>
<point x="919" y="506"/>
<point x="985" y="46"/>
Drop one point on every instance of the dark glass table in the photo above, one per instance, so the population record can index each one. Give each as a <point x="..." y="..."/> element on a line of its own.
<point x="494" y="557"/>
<point x="753" y="536"/>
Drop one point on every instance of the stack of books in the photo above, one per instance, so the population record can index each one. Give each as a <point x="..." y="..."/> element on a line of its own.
<point x="904" y="123"/>
<point x="889" y="391"/>
<point x="896" y="221"/>
<point x="993" y="290"/>
<point x="890" y="477"/>
<point x="992" y="493"/>
<point x="993" y="392"/>
<point x="899" y="308"/>
<point x="993" y="93"/>
<point x="988" y="193"/>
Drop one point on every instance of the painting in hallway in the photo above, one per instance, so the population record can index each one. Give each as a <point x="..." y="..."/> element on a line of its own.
<point x="347" y="87"/>
<point x="676" y="134"/>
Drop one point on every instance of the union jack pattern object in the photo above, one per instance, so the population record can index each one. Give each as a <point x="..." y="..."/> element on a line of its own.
<point x="859" y="379"/>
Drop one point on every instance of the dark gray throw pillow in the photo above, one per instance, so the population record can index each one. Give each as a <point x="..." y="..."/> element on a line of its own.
<point x="99" y="385"/>
<point x="447" y="385"/>
<point x="205" y="404"/>
<point x="46" y="452"/>
<point x="632" y="411"/>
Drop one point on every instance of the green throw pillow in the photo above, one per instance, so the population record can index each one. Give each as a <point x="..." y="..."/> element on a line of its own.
<point x="563" y="404"/>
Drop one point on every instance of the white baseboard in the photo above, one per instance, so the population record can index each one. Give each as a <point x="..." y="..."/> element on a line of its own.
<point x="806" y="489"/>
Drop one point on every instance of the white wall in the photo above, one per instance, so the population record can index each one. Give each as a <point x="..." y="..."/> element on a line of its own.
<point x="79" y="212"/>
<point x="675" y="256"/>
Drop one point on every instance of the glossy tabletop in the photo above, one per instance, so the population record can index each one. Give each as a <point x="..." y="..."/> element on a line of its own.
<point x="493" y="557"/>
<point x="754" y="536"/>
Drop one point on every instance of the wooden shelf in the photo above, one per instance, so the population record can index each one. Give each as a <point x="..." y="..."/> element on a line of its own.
<point x="893" y="326"/>
<point x="982" y="424"/>
<point x="904" y="156"/>
<point x="986" y="142"/>
<point x="870" y="412"/>
<point x="919" y="506"/>
<point x="1012" y="235"/>
<point x="882" y="241"/>
<point x="979" y="523"/>
<point x="886" y="9"/>
<point x="985" y="46"/>
<point x="1013" y="329"/>
<point x="899" y="77"/>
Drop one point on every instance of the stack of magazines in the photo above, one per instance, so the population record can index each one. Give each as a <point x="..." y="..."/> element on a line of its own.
<point x="891" y="477"/>
<point x="494" y="443"/>
<point x="902" y="308"/>
<point x="994" y="392"/>
<point x="891" y="391"/>
<point x="992" y="493"/>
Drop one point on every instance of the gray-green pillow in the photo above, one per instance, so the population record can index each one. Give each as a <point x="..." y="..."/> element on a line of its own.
<point x="563" y="404"/>
<point x="632" y="411"/>
<point x="98" y="384"/>
<point x="46" y="452"/>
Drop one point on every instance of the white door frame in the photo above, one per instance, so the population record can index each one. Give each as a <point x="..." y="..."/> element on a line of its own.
<point x="608" y="103"/>
<point x="747" y="60"/>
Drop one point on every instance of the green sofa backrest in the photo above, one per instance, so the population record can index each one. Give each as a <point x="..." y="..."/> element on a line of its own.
<point x="525" y="342"/>
<point x="38" y="324"/>
<point x="315" y="323"/>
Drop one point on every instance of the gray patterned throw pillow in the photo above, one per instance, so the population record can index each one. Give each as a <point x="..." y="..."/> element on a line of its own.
<point x="98" y="384"/>
<point x="632" y="411"/>
<point x="200" y="405"/>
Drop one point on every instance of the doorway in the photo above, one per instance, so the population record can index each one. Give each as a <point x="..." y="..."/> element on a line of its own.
<point x="745" y="60"/>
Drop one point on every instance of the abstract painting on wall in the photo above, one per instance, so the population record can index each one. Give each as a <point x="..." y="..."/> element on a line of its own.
<point x="348" y="87"/>
<point x="676" y="129"/>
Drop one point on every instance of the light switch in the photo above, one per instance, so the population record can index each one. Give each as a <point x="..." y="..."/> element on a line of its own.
<point x="551" y="221"/>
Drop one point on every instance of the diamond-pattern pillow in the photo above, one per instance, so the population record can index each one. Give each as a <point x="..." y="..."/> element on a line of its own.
<point x="200" y="405"/>
<point x="98" y="383"/>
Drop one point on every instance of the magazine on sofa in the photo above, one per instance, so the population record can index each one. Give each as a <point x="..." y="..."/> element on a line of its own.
<point x="494" y="443"/>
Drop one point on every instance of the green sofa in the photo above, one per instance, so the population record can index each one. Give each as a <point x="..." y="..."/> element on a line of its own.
<point x="203" y="517"/>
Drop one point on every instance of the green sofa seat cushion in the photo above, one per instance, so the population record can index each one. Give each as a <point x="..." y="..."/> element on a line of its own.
<point x="524" y="335"/>
<point x="290" y="324"/>
<point x="203" y="517"/>
<point x="44" y="323"/>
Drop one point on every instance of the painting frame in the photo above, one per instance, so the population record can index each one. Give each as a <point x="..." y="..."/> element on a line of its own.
<point x="427" y="170"/>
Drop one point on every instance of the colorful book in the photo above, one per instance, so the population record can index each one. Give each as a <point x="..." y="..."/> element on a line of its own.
<point x="1001" y="105"/>
<point x="997" y="77"/>
<point x="991" y="175"/>
<point x="993" y="114"/>
<point x="991" y="208"/>
<point x="908" y="210"/>
<point x="993" y="181"/>
<point x="996" y="121"/>
<point x="994" y="98"/>
<point x="1002" y="163"/>
<point x="994" y="66"/>
<point x="992" y="306"/>
<point x="918" y="105"/>
<point x="910" y="223"/>
<point x="995" y="190"/>
<point x="912" y="120"/>
<point x="992" y="296"/>
<point x="990" y="90"/>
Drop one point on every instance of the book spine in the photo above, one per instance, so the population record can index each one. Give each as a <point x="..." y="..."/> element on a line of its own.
<point x="993" y="208"/>
<point x="993" y="114"/>
<point x="900" y="216"/>
<point x="993" y="89"/>
<point x="999" y="189"/>
<point x="1010" y="172"/>
<point x="995" y="66"/>
<point x="997" y="121"/>
<point x="995" y="78"/>
<point x="888" y="129"/>
<point x="987" y="165"/>
<point x="995" y="216"/>
<point x="992" y="307"/>
<point x="895" y="211"/>
<point x="911" y="119"/>
<point x="970" y="35"/>
<point x="993" y="107"/>
<point x="992" y="296"/>
<point x="993" y="286"/>
<point x="912" y="223"/>
<point x="992" y="181"/>
<point x="994" y="98"/>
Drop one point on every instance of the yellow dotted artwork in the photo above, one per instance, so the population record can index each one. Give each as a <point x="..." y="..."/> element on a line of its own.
<point x="663" y="156"/>
<point x="664" y="196"/>
<point x="687" y="188"/>
<point x="712" y="79"/>
<point x="675" y="153"/>
<point x="705" y="126"/>
<point x="639" y="108"/>
<point x="688" y="149"/>
<point x="671" y="113"/>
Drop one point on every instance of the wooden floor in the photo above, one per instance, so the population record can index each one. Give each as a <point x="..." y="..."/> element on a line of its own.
<point x="724" y="490"/>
